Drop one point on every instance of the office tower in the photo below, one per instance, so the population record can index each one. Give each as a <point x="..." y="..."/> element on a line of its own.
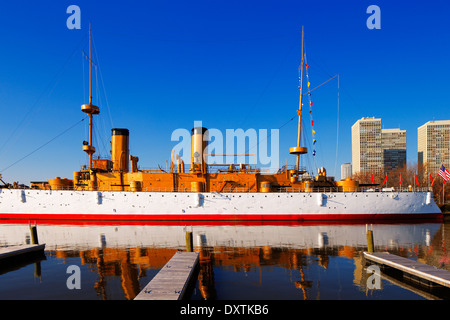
<point x="377" y="150"/>
<point x="366" y="146"/>
<point x="346" y="171"/>
<point x="394" y="148"/>
<point x="433" y="145"/>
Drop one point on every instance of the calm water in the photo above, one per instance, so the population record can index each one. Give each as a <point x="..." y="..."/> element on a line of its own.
<point x="237" y="262"/>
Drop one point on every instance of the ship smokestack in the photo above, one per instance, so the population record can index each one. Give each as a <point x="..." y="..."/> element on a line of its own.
<point x="119" y="149"/>
<point x="199" y="144"/>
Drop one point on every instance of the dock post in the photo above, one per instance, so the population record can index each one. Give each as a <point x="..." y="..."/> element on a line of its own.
<point x="33" y="231"/>
<point x="37" y="269"/>
<point x="369" y="234"/>
<point x="189" y="241"/>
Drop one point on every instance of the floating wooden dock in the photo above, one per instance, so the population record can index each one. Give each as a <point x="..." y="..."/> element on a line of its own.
<point x="172" y="280"/>
<point x="419" y="271"/>
<point x="21" y="251"/>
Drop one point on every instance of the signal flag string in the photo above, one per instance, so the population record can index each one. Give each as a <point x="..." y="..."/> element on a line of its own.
<point x="310" y="107"/>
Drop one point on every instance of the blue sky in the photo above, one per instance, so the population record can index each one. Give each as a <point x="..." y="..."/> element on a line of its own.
<point x="230" y="64"/>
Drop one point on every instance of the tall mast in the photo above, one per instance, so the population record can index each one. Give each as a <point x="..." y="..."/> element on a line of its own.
<point x="301" y="99"/>
<point x="90" y="67"/>
<point x="298" y="150"/>
<point x="90" y="109"/>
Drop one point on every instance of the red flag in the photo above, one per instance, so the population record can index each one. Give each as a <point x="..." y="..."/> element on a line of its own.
<point x="432" y="180"/>
<point x="417" y="181"/>
<point x="385" y="180"/>
<point x="307" y="67"/>
<point x="371" y="179"/>
<point x="401" y="179"/>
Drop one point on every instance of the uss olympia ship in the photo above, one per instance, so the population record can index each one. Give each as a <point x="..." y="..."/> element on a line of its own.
<point x="116" y="189"/>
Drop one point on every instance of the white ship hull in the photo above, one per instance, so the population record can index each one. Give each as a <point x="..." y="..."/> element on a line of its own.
<point x="185" y="206"/>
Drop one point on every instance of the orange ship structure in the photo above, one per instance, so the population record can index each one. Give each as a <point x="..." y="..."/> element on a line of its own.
<point x="121" y="173"/>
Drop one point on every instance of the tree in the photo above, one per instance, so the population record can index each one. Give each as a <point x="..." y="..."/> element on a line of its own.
<point x="414" y="176"/>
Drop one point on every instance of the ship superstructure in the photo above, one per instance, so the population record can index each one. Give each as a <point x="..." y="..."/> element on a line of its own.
<point x="121" y="173"/>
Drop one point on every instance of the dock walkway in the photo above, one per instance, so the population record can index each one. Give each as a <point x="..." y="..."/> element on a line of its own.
<point x="417" y="269"/>
<point x="20" y="251"/>
<point x="172" y="280"/>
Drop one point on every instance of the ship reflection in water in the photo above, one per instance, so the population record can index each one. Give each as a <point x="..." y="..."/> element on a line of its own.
<point x="270" y="262"/>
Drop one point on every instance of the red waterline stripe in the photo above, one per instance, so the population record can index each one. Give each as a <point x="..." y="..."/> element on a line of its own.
<point x="219" y="217"/>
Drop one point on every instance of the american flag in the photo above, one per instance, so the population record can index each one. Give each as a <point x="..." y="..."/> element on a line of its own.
<point x="444" y="173"/>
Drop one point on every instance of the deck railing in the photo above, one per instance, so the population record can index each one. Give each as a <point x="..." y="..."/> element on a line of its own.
<point x="248" y="190"/>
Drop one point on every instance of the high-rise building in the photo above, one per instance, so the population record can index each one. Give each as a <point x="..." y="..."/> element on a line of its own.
<point x="346" y="171"/>
<point x="394" y="148"/>
<point x="375" y="149"/>
<point x="433" y="145"/>
<point x="366" y="145"/>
